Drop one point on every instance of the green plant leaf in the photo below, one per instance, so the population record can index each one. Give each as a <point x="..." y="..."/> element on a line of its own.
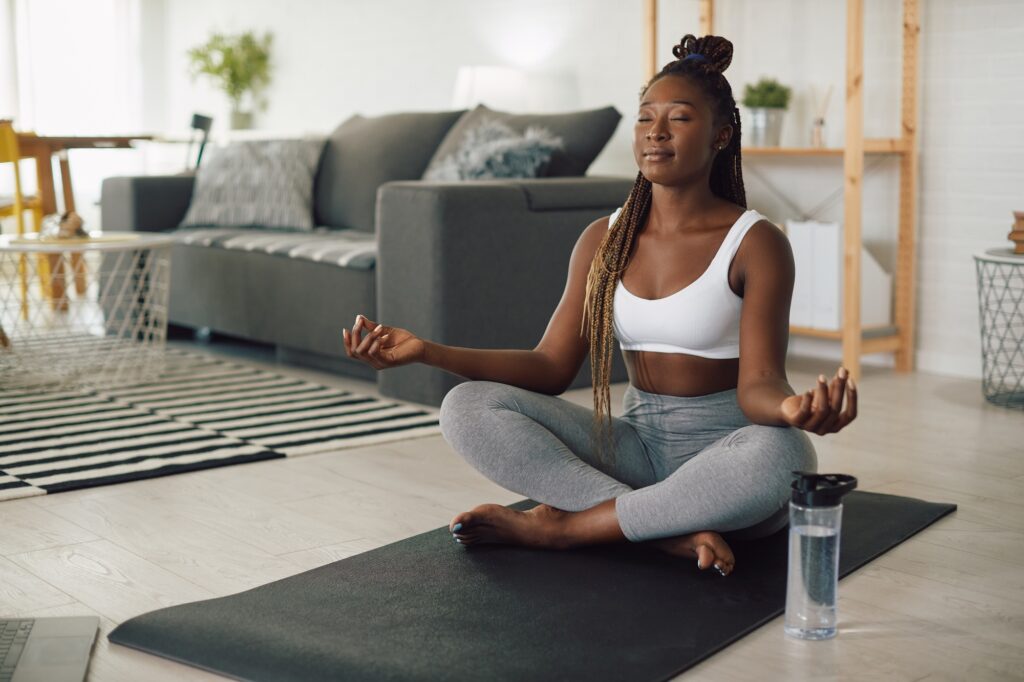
<point x="236" y="63"/>
<point x="766" y="92"/>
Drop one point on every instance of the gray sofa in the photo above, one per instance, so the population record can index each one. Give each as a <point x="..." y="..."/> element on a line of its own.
<point x="473" y="263"/>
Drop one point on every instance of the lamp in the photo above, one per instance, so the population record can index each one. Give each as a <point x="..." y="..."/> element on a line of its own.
<point x="509" y="89"/>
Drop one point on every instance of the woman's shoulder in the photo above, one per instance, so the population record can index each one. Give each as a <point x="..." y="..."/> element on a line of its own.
<point x="764" y="240"/>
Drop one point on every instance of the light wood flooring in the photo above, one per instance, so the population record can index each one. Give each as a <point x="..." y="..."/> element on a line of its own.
<point x="947" y="604"/>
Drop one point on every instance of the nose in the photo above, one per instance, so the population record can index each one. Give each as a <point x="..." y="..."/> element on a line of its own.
<point x="658" y="130"/>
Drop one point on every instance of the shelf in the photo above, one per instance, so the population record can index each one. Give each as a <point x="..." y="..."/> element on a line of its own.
<point x="881" y="145"/>
<point x="867" y="333"/>
<point x="897" y="338"/>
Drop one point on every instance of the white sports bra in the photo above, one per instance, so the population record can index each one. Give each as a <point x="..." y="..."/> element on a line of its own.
<point x="701" y="319"/>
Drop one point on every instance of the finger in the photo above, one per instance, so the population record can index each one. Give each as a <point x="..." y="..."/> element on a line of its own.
<point x="804" y="413"/>
<point x="344" y="334"/>
<point x="828" y="423"/>
<point x="376" y="347"/>
<point x="819" y="407"/>
<point x="354" y="334"/>
<point x="837" y="389"/>
<point x="370" y="338"/>
<point x="850" y="413"/>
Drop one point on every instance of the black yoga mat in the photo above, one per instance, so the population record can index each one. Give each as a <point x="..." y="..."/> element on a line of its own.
<point x="427" y="608"/>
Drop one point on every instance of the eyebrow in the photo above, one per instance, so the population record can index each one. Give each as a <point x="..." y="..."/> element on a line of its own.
<point x="675" y="101"/>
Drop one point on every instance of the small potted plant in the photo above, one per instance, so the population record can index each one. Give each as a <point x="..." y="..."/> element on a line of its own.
<point x="240" y="66"/>
<point x="767" y="100"/>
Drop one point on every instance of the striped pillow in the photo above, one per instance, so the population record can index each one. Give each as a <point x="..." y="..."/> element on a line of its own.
<point x="264" y="183"/>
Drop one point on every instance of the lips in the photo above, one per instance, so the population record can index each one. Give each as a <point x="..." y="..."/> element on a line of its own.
<point x="657" y="153"/>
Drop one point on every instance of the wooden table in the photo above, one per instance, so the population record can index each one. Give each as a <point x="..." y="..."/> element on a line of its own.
<point x="42" y="148"/>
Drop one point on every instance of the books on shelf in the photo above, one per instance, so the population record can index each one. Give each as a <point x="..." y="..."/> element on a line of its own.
<point x="818" y="287"/>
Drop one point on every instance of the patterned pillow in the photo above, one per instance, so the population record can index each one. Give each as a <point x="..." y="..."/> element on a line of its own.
<point x="264" y="183"/>
<point x="585" y="134"/>
<point x="494" y="150"/>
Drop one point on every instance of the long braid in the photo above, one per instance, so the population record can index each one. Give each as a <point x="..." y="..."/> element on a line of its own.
<point x="612" y="256"/>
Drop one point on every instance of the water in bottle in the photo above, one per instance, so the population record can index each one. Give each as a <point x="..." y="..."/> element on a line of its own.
<point x="815" y="516"/>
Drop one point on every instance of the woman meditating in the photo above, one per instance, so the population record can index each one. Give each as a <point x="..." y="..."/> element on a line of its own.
<point x="696" y="288"/>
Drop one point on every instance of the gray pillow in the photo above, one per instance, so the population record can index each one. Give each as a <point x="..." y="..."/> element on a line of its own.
<point x="494" y="150"/>
<point x="365" y="152"/>
<point x="584" y="133"/>
<point x="260" y="183"/>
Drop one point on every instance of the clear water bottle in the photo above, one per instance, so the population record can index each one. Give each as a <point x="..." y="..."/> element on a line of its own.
<point x="815" y="514"/>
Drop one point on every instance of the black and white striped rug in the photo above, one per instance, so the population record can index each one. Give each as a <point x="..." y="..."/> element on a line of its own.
<point x="201" y="412"/>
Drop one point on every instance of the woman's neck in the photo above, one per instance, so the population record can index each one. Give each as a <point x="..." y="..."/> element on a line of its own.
<point x="680" y="208"/>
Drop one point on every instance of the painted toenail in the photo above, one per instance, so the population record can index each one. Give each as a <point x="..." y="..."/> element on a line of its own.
<point x="457" y="528"/>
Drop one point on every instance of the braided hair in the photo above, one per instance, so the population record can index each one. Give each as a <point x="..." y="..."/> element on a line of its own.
<point x="713" y="55"/>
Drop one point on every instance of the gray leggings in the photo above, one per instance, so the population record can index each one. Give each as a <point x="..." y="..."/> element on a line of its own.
<point x="681" y="464"/>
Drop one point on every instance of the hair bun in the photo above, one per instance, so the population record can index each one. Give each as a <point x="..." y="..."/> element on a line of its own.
<point x="716" y="50"/>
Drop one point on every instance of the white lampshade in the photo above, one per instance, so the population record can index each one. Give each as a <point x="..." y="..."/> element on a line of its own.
<point x="509" y="89"/>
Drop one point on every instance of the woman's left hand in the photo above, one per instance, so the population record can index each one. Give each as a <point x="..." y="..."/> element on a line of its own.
<point x="820" y="410"/>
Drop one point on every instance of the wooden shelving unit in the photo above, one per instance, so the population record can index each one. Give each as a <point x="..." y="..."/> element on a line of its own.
<point x="857" y="340"/>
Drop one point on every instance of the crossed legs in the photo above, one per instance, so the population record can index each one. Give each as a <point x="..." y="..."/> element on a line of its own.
<point x="540" y="446"/>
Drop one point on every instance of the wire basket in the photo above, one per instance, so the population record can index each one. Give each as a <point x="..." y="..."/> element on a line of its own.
<point x="82" y="319"/>
<point x="1001" y="311"/>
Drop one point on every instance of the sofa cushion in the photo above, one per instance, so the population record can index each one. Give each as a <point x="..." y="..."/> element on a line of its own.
<point x="365" y="152"/>
<point x="494" y="150"/>
<point x="584" y="133"/>
<point x="345" y="248"/>
<point x="257" y="183"/>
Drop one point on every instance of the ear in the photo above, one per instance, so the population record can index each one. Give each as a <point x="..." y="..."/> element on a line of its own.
<point x="723" y="136"/>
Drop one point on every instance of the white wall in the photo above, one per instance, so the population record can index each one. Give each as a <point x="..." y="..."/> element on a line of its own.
<point x="336" y="58"/>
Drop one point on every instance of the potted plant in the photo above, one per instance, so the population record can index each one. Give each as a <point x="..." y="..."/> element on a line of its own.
<point x="240" y="66"/>
<point x="767" y="100"/>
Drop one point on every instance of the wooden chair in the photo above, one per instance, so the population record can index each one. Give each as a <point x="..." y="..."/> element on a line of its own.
<point x="16" y="206"/>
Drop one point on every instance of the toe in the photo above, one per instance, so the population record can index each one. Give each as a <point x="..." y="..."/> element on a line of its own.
<point x="459" y="522"/>
<point x="724" y="565"/>
<point x="705" y="557"/>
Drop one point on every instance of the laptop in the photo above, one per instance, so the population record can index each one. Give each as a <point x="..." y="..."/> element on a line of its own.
<point x="46" y="649"/>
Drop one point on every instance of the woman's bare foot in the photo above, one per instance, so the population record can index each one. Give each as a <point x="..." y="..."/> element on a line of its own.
<point x="548" y="527"/>
<point x="707" y="546"/>
<point x="541" y="526"/>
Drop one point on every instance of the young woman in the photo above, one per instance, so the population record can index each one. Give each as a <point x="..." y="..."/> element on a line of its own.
<point x="696" y="288"/>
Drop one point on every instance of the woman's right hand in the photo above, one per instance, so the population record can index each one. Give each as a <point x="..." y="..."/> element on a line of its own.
<point x="383" y="346"/>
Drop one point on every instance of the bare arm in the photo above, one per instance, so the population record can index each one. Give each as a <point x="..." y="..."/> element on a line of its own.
<point x="764" y="393"/>
<point x="548" y="368"/>
<point x="766" y="261"/>
<point x="553" y="364"/>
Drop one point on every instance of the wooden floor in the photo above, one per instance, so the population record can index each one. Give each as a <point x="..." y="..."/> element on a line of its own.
<point x="948" y="604"/>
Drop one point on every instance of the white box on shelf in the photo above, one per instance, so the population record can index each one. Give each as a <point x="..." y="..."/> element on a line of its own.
<point x="801" y="310"/>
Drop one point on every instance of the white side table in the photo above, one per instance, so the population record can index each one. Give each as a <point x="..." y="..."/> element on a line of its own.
<point x="1001" y="310"/>
<point x="114" y="333"/>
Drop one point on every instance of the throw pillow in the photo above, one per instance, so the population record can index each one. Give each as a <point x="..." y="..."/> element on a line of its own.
<point x="584" y="134"/>
<point x="264" y="183"/>
<point x="494" y="150"/>
<point x="365" y="152"/>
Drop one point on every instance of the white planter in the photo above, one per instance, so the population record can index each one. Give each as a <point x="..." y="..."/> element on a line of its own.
<point x="241" y="120"/>
<point x="763" y="127"/>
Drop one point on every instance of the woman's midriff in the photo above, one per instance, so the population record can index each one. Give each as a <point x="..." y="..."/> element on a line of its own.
<point x="679" y="374"/>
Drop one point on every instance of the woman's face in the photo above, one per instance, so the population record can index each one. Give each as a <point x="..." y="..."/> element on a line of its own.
<point x="674" y="139"/>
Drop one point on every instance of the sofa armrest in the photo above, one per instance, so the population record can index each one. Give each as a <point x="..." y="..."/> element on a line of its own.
<point x="480" y="264"/>
<point x="147" y="203"/>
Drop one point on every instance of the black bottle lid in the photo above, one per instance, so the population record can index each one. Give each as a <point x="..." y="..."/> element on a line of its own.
<point x="821" y="490"/>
